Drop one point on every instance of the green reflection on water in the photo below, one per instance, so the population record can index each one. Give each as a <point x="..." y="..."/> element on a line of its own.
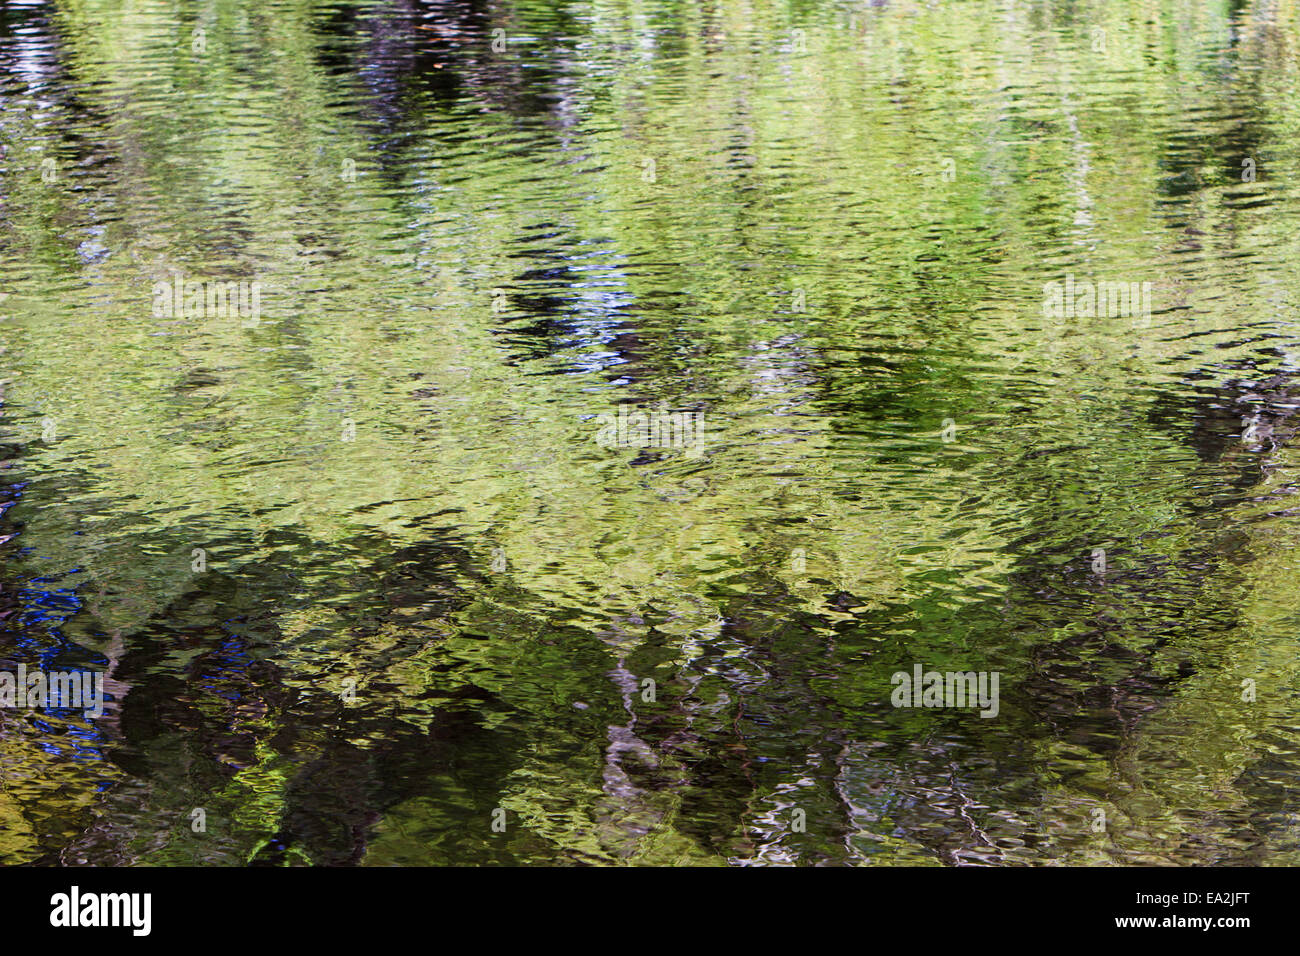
<point x="826" y="228"/>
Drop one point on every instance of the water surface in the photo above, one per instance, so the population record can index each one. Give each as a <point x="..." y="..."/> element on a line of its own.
<point x="362" y="580"/>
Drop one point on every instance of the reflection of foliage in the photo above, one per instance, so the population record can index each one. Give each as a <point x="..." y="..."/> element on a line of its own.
<point x="776" y="170"/>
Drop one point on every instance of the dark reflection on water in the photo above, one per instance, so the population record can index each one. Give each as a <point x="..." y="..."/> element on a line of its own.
<point x="363" y="582"/>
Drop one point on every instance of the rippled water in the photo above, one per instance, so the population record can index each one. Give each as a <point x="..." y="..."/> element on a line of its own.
<point x="363" y="581"/>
